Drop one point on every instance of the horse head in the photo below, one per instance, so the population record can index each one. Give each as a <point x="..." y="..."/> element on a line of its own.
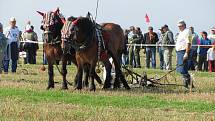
<point x="78" y="31"/>
<point x="52" y="24"/>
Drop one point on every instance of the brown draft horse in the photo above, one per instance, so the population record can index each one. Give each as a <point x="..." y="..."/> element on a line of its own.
<point x="81" y="33"/>
<point x="52" y="24"/>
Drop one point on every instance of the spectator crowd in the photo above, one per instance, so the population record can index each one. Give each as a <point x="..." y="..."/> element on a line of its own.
<point x="194" y="51"/>
<point x="10" y="45"/>
<point x="200" y="56"/>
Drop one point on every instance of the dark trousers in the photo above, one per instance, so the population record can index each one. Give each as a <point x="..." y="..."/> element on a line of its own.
<point x="203" y="62"/>
<point x="192" y="62"/>
<point x="31" y="58"/>
<point x="137" y="57"/>
<point x="151" y="54"/>
<point x="211" y="64"/>
<point x="13" y="66"/>
<point x="161" y="55"/>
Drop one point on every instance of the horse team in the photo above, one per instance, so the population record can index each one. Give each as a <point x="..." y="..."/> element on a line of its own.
<point x="76" y="39"/>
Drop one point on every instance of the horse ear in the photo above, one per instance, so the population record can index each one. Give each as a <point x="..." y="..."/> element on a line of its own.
<point x="88" y="15"/>
<point x="42" y="14"/>
<point x="57" y="11"/>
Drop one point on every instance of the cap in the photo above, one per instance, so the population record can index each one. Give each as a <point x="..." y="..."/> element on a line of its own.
<point x="28" y="28"/>
<point x="150" y="27"/>
<point x="162" y="28"/>
<point x="181" y="22"/>
<point x="132" y="27"/>
<point x="165" y="26"/>
<point x="12" y="19"/>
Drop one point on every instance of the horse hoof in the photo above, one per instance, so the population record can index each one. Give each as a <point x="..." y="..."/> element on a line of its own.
<point x="107" y="87"/>
<point x="93" y="89"/>
<point x="50" y="87"/>
<point x="78" y="88"/>
<point x="127" y="88"/>
<point x="64" y="88"/>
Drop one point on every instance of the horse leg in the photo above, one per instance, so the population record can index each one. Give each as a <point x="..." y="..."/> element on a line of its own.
<point x="119" y="74"/>
<point x="73" y="59"/>
<point x="92" y="73"/>
<point x="79" y="77"/>
<point x="86" y="75"/>
<point x="51" y="76"/>
<point x="64" y="72"/>
<point x="108" y="66"/>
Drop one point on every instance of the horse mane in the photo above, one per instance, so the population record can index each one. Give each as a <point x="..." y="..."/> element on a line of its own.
<point x="71" y="18"/>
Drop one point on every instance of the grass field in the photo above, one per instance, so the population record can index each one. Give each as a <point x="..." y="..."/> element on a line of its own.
<point x="23" y="97"/>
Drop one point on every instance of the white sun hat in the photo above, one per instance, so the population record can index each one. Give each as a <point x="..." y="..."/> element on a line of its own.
<point x="12" y="19"/>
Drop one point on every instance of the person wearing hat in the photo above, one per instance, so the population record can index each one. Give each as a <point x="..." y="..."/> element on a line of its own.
<point x="150" y="38"/>
<point x="132" y="38"/>
<point x="137" y="48"/>
<point x="212" y="35"/>
<point x="3" y="43"/>
<point x="160" y="48"/>
<point x="182" y="46"/>
<point x="192" y="61"/>
<point x="30" y="48"/>
<point x="12" y="52"/>
<point x="168" y="40"/>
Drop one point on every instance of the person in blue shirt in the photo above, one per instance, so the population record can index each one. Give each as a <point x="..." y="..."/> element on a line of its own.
<point x="202" y="61"/>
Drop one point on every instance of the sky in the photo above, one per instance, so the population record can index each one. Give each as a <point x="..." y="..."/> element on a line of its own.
<point x="197" y="13"/>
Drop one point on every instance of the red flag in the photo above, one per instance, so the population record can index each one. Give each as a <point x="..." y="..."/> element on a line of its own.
<point x="147" y="19"/>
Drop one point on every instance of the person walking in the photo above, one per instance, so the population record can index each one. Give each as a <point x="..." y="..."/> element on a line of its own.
<point x="182" y="46"/>
<point x="150" y="38"/>
<point x="168" y="40"/>
<point x="202" y="62"/>
<point x="3" y="43"/>
<point x="12" y="52"/>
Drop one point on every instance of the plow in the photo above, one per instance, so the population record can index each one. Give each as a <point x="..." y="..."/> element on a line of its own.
<point x="144" y="80"/>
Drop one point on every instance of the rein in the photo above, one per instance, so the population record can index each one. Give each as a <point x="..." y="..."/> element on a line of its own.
<point x="87" y="41"/>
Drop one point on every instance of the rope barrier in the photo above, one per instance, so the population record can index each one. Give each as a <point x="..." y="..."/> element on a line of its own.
<point x="29" y="41"/>
<point x="141" y="45"/>
<point x="157" y="45"/>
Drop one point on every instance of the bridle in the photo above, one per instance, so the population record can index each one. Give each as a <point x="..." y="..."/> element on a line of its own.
<point x="70" y="33"/>
<point x="49" y="25"/>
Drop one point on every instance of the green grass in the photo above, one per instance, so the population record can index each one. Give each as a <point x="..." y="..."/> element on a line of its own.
<point x="23" y="97"/>
<point x="149" y="102"/>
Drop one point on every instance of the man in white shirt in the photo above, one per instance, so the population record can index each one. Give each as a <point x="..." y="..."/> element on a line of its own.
<point x="212" y="35"/>
<point x="183" y="45"/>
<point x="13" y="34"/>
